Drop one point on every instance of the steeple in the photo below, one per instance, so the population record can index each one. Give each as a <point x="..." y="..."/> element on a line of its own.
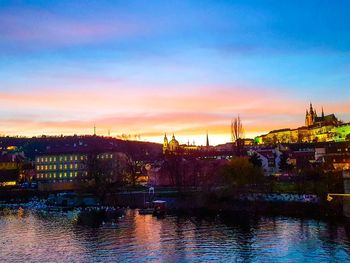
<point x="94" y="129"/>
<point x="207" y="140"/>
<point x="322" y="113"/>
<point x="165" y="144"/>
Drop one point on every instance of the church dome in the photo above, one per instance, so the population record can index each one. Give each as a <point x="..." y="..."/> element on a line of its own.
<point x="173" y="144"/>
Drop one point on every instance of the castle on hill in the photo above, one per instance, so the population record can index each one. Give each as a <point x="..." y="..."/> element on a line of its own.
<point x="324" y="128"/>
<point x="311" y="118"/>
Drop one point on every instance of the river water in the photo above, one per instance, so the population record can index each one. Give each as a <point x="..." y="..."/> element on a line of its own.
<point x="32" y="237"/>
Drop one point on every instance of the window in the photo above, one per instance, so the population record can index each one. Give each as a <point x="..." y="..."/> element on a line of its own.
<point x="76" y="158"/>
<point x="71" y="158"/>
<point x="81" y="158"/>
<point x="71" y="166"/>
<point x="42" y="159"/>
<point x="61" y="158"/>
<point x="76" y="174"/>
<point x="54" y="166"/>
<point x="46" y="159"/>
<point x="76" y="166"/>
<point x="65" y="166"/>
<point x="45" y="167"/>
<point x="65" y="158"/>
<point x="65" y="174"/>
<point x="71" y="174"/>
<point x="50" y="159"/>
<point x="54" y="159"/>
<point x="60" y="175"/>
<point x="61" y="166"/>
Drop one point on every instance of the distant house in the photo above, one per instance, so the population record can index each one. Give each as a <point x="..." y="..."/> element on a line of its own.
<point x="10" y="167"/>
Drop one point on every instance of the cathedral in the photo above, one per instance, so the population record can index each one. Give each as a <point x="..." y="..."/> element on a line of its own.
<point x="324" y="128"/>
<point x="312" y="119"/>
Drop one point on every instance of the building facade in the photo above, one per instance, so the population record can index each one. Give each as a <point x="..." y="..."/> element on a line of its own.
<point x="326" y="128"/>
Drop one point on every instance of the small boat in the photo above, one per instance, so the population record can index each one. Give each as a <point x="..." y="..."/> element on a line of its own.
<point x="160" y="207"/>
<point x="146" y="211"/>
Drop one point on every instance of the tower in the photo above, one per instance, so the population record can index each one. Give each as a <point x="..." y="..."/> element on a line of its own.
<point x="165" y="144"/>
<point x="94" y="129"/>
<point x="207" y="140"/>
<point x="322" y="114"/>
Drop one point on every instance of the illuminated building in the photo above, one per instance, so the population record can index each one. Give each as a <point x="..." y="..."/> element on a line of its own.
<point x="326" y="128"/>
<point x="63" y="167"/>
<point x="10" y="167"/>
<point x="174" y="147"/>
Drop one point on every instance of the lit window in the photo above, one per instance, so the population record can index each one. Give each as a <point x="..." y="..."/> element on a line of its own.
<point x="65" y="158"/>
<point x="50" y="159"/>
<point x="54" y="166"/>
<point x="71" y="166"/>
<point x="82" y="158"/>
<point x="60" y="175"/>
<point x="61" y="158"/>
<point x="71" y="174"/>
<point x="76" y="157"/>
<point x="76" y="174"/>
<point x="38" y="159"/>
<point x="76" y="166"/>
<point x="65" y="166"/>
<point x="54" y="159"/>
<point x="50" y="167"/>
<point x="71" y="158"/>
<point x="54" y="175"/>
<point x="65" y="174"/>
<point x="45" y="167"/>
<point x="46" y="159"/>
<point x="61" y="166"/>
<point x="42" y="159"/>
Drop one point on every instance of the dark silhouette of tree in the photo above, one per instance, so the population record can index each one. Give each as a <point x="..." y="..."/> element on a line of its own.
<point x="240" y="171"/>
<point x="236" y="129"/>
<point x="255" y="160"/>
<point x="284" y="165"/>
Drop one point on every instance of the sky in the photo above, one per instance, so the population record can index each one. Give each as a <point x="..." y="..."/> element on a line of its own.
<point x="143" y="68"/>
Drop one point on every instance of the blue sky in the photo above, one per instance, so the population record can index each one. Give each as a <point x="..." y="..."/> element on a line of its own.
<point x="143" y="67"/>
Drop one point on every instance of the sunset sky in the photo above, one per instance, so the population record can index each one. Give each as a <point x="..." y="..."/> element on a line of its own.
<point x="188" y="67"/>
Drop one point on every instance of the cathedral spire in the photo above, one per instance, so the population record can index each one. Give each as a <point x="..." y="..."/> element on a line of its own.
<point x="207" y="139"/>
<point x="322" y="113"/>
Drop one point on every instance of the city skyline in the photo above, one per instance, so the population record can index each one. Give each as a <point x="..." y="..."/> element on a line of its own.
<point x="185" y="68"/>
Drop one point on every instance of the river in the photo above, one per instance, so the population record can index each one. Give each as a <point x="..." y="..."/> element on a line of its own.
<point x="33" y="237"/>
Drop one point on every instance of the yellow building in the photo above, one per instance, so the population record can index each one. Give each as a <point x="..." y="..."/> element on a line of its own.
<point x="326" y="128"/>
<point x="173" y="146"/>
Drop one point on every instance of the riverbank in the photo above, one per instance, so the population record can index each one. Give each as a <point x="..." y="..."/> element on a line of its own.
<point x="193" y="201"/>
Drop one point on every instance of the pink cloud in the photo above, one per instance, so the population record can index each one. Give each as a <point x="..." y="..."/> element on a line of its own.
<point x="42" y="28"/>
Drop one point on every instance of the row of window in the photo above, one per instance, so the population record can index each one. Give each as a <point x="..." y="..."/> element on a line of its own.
<point x="66" y="158"/>
<point x="60" y="175"/>
<point x="61" y="158"/>
<point x="60" y="167"/>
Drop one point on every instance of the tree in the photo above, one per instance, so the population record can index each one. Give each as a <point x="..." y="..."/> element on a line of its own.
<point x="105" y="172"/>
<point x="240" y="171"/>
<point x="255" y="160"/>
<point x="236" y="129"/>
<point x="284" y="165"/>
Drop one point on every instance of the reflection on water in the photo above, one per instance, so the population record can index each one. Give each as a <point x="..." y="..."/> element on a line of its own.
<point x="29" y="237"/>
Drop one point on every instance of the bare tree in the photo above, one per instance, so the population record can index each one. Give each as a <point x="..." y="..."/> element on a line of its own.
<point x="236" y="129"/>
